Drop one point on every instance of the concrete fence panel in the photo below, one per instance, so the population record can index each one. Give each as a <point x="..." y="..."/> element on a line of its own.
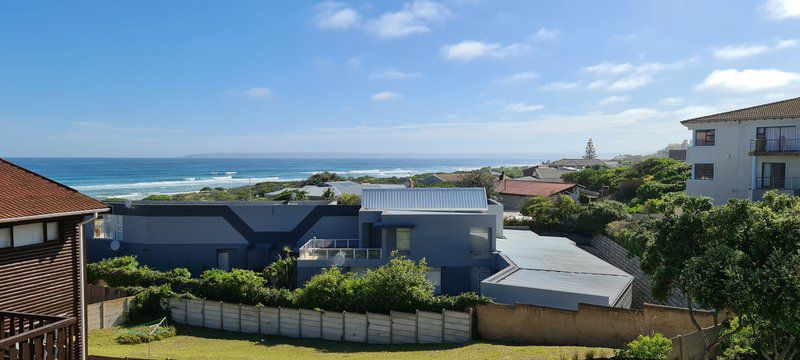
<point x="249" y="319"/>
<point x="355" y="327"/>
<point x="430" y="327"/>
<point x="212" y="314"/>
<point x="691" y="346"/>
<point x="332" y="325"/>
<point x="457" y="326"/>
<point x="404" y="328"/>
<point x="289" y="322"/>
<point x="379" y="328"/>
<point x="310" y="324"/>
<point x="231" y="318"/>
<point x="270" y="320"/>
<point x="107" y="314"/>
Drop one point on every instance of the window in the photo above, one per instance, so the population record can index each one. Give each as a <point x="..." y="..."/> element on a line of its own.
<point x="108" y="227"/>
<point x="478" y="274"/>
<point x="479" y="244"/>
<point x="29" y="234"/>
<point x="773" y="175"/>
<point x="224" y="260"/>
<point x="5" y="237"/>
<point x="777" y="138"/>
<point x="704" y="171"/>
<point x="704" y="137"/>
<point x="434" y="275"/>
<point x="52" y="231"/>
<point x="403" y="242"/>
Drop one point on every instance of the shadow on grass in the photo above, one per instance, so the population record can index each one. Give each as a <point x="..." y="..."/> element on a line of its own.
<point x="328" y="346"/>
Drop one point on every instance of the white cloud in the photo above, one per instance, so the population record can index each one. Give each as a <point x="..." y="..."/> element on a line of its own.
<point x="782" y="9"/>
<point x="597" y="84"/>
<point x="335" y="15"/>
<point x="523" y="107"/>
<point x="356" y="61"/>
<point x="519" y="77"/>
<point x="469" y="50"/>
<point x="743" y="51"/>
<point x="560" y="85"/>
<point x="546" y="34"/>
<point x="613" y="100"/>
<point x="748" y="80"/>
<point x="415" y="18"/>
<point x="255" y="92"/>
<point x="393" y="74"/>
<point x="672" y="101"/>
<point x="608" y="68"/>
<point x="630" y="83"/>
<point x="386" y="96"/>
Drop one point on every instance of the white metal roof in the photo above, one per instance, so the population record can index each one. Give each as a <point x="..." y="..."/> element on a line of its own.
<point x="425" y="199"/>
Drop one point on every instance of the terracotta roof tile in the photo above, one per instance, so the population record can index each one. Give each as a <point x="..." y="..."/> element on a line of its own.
<point x="24" y="193"/>
<point x="789" y="108"/>
<point x="532" y="188"/>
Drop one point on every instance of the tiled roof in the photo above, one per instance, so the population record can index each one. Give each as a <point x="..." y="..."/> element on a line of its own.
<point x="532" y="188"/>
<point x="25" y="194"/>
<point x="778" y="110"/>
<point x="425" y="199"/>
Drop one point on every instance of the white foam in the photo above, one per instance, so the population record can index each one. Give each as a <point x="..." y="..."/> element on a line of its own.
<point x="189" y="182"/>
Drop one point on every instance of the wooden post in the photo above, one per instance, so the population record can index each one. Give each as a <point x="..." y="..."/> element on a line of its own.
<point x="391" y="326"/>
<point x="471" y="315"/>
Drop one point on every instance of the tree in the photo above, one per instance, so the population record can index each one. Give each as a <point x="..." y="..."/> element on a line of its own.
<point x="329" y="194"/>
<point x="591" y="152"/>
<point x="742" y="257"/>
<point x="291" y="195"/>
<point x="549" y="212"/>
<point x="320" y="179"/>
<point x="348" y="199"/>
<point x="480" y="178"/>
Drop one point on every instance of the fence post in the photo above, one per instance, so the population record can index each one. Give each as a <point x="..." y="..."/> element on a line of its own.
<point x="321" y="331"/>
<point x="279" y="320"/>
<point x="443" y="320"/>
<point x="258" y="309"/>
<point x="240" y="317"/>
<point x="203" y="312"/>
<point x="299" y="323"/>
<point x="221" y="317"/>
<point x="366" y="327"/>
<point x="416" y="326"/>
<point x="680" y="346"/>
<point x="391" y="326"/>
<point x="186" y="311"/>
<point x="101" y="310"/>
<point x="344" y="317"/>
<point x="471" y="315"/>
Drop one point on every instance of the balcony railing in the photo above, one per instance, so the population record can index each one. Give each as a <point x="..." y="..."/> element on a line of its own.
<point x="774" y="145"/>
<point x="26" y="336"/>
<point x="780" y="183"/>
<point x="322" y="249"/>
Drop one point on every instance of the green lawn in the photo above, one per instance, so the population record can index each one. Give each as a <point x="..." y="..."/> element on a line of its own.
<point x="201" y="343"/>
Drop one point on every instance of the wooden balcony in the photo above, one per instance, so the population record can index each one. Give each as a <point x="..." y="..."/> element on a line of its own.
<point x="26" y="336"/>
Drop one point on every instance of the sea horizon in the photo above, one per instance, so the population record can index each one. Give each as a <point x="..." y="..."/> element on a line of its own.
<point x="137" y="178"/>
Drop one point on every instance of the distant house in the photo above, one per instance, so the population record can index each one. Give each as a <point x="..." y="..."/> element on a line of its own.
<point x="441" y="178"/>
<point x="580" y="164"/>
<point x="42" y="265"/>
<point x="545" y="172"/>
<point x="514" y="193"/>
<point x="339" y="188"/>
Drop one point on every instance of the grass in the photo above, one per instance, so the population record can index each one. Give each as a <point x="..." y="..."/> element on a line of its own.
<point x="201" y="343"/>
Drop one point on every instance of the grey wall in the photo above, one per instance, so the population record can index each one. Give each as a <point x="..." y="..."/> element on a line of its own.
<point x="505" y="294"/>
<point x="512" y="202"/>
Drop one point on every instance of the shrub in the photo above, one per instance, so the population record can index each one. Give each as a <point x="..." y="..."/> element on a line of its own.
<point x="517" y="221"/>
<point x="320" y="179"/>
<point x="460" y="302"/>
<point x="596" y="215"/>
<point x="480" y="178"/>
<point x="146" y="305"/>
<point x="142" y="336"/>
<point x="740" y="345"/>
<point x="282" y="272"/>
<point x="329" y="290"/>
<point x="235" y="286"/>
<point x="633" y="235"/>
<point x="656" y="347"/>
<point x="158" y="198"/>
<point x="549" y="212"/>
<point x="400" y="285"/>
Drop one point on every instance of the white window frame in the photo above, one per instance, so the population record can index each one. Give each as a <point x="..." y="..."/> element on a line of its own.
<point x="28" y="234"/>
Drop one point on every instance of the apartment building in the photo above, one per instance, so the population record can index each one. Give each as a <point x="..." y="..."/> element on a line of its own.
<point x="745" y="153"/>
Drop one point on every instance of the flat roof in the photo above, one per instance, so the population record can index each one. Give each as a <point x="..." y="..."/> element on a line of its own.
<point x="557" y="264"/>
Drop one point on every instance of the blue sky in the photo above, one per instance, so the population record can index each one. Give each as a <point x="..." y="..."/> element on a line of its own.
<point x="148" y="78"/>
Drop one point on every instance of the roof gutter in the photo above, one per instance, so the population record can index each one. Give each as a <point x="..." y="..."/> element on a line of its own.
<point x="47" y="216"/>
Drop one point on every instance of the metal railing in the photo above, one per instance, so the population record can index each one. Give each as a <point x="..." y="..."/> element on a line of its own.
<point x="32" y="336"/>
<point x="775" y="145"/>
<point x="781" y="183"/>
<point x="322" y="249"/>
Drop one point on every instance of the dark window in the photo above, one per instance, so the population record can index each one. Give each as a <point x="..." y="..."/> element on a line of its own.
<point x="704" y="171"/>
<point x="704" y="137"/>
<point x="773" y="175"/>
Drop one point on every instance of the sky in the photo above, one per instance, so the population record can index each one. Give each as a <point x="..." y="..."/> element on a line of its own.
<point x="170" y="78"/>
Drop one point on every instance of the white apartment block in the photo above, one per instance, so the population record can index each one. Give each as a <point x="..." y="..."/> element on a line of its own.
<point x="745" y="153"/>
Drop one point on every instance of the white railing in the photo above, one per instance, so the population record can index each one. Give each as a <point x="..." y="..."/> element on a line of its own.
<point x="321" y="249"/>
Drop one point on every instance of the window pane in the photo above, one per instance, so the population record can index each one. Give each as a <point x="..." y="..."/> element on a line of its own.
<point x="52" y="231"/>
<point x="704" y="137"/>
<point x="403" y="242"/>
<point x="434" y="275"/>
<point x="703" y="171"/>
<point x="479" y="244"/>
<point x="28" y="234"/>
<point x="5" y="237"/>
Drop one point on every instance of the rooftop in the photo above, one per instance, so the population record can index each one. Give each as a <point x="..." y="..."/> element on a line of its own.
<point x="27" y="195"/>
<point x="579" y="162"/>
<point x="789" y="108"/>
<point x="532" y="188"/>
<point x="425" y="199"/>
<point x="557" y="264"/>
<point x="551" y="173"/>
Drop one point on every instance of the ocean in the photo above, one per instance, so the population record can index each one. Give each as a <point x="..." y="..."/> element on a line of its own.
<point x="138" y="178"/>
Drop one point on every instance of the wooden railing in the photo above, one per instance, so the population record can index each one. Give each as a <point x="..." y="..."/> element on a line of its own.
<point x="26" y="336"/>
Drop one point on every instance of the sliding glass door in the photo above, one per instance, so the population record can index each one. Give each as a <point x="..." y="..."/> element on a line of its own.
<point x="773" y="175"/>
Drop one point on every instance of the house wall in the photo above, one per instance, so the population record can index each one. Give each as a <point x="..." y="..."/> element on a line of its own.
<point x="512" y="202"/>
<point x="733" y="165"/>
<point x="44" y="278"/>
<point x="166" y="236"/>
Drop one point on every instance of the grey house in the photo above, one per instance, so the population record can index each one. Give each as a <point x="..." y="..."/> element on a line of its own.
<point x="453" y="229"/>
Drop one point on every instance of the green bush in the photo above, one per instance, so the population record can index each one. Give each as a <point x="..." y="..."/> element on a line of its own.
<point x="596" y="215"/>
<point x="139" y="338"/>
<point x="146" y="305"/>
<point x="158" y="198"/>
<point x="235" y="286"/>
<point x="633" y="235"/>
<point x="459" y="302"/>
<point x="400" y="285"/>
<point x="656" y="347"/>
<point x="282" y="272"/>
<point x="740" y="345"/>
<point x="329" y="290"/>
<point x="550" y="212"/>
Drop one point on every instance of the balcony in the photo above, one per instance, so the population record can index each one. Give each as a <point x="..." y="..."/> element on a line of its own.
<point x="330" y="249"/>
<point x="30" y="336"/>
<point x="779" y="183"/>
<point x="775" y="147"/>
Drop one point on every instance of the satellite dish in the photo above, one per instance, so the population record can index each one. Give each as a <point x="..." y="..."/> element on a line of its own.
<point x="339" y="258"/>
<point x="115" y="245"/>
<point x="128" y="203"/>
